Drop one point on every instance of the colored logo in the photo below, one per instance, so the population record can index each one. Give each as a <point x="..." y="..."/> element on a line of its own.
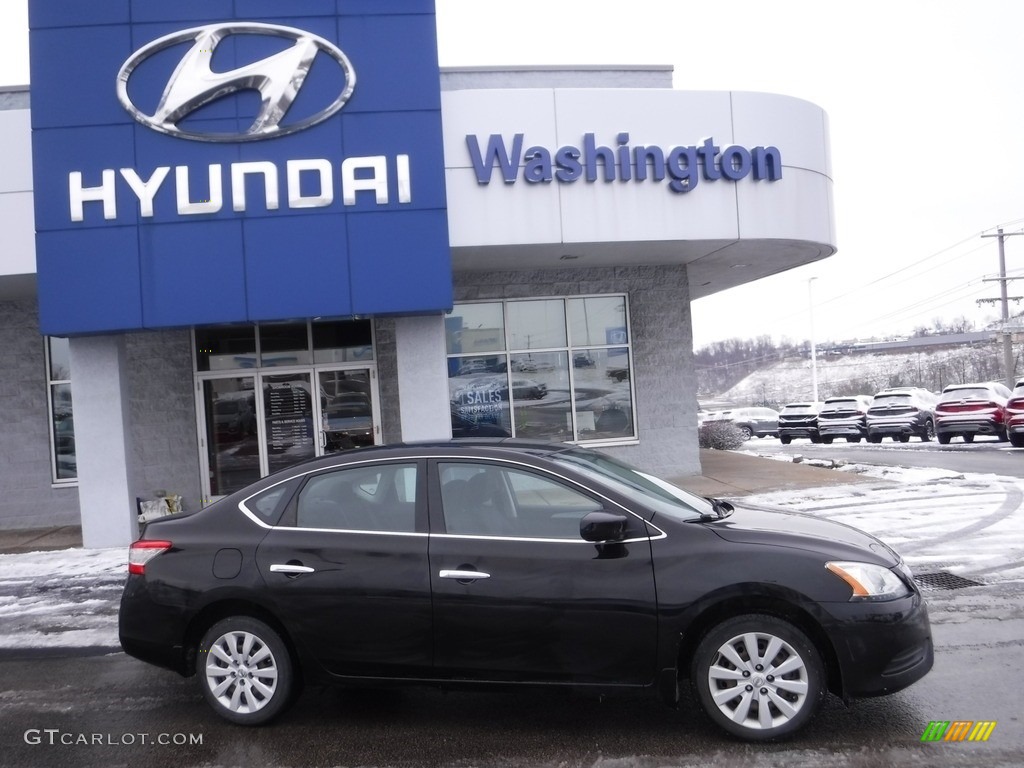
<point x="277" y="78"/>
<point x="958" y="730"/>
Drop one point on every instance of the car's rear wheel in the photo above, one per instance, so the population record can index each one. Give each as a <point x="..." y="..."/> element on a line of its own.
<point x="785" y="439"/>
<point x="943" y="439"/>
<point x="1017" y="440"/>
<point x="245" y="671"/>
<point x="758" y="677"/>
<point x="1002" y="436"/>
<point x="853" y="439"/>
<point x="827" y="440"/>
<point x="968" y="438"/>
<point x="747" y="432"/>
<point x="904" y="438"/>
<point x="874" y="438"/>
<point x="929" y="432"/>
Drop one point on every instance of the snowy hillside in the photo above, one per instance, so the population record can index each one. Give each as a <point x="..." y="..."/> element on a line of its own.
<point x="866" y="373"/>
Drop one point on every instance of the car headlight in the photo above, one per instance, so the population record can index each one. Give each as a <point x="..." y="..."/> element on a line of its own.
<point x="869" y="581"/>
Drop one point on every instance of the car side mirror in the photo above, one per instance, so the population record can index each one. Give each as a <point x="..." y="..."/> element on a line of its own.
<point x="603" y="526"/>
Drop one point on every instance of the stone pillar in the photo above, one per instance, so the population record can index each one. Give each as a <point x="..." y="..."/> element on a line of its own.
<point x="99" y="394"/>
<point x="423" y="378"/>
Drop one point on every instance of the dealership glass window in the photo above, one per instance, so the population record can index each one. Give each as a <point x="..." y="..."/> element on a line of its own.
<point x="225" y="347"/>
<point x="475" y="328"/>
<point x="63" y="465"/>
<point x="560" y="371"/>
<point x="284" y="344"/>
<point x="342" y="341"/>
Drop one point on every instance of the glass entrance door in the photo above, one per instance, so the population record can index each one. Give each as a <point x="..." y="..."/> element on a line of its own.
<point x="288" y="419"/>
<point x="232" y="440"/>
<point x="299" y="413"/>
<point x="346" y="409"/>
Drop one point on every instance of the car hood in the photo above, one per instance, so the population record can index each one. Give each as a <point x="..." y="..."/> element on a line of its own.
<point x="747" y="525"/>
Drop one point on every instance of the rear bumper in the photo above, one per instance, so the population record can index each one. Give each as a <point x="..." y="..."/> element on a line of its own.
<point x="895" y="428"/>
<point x="957" y="426"/>
<point x="842" y="430"/>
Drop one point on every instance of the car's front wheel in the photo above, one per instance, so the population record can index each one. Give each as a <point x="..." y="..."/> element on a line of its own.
<point x="758" y="677"/>
<point x="245" y="671"/>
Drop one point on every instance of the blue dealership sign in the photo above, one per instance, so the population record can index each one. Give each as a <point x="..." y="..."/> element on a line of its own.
<point x="228" y="161"/>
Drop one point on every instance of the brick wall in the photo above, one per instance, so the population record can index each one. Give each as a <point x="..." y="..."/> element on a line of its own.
<point x="28" y="498"/>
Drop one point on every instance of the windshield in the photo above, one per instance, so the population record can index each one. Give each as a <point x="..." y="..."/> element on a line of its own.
<point x="647" y="490"/>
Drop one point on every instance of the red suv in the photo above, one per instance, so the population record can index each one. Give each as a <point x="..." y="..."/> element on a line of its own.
<point x="972" y="409"/>
<point x="1015" y="416"/>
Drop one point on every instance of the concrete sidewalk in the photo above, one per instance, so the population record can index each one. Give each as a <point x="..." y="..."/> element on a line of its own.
<point x="724" y="475"/>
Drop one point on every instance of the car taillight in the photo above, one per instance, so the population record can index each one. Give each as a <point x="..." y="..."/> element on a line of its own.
<point x="1016" y="404"/>
<point x="144" y="550"/>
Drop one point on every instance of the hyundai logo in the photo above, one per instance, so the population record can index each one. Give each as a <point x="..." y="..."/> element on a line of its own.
<point x="277" y="78"/>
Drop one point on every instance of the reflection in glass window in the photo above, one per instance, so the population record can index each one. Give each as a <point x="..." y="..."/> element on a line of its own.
<point x="540" y="393"/>
<point x="597" y="320"/>
<point x="489" y="500"/>
<point x="366" y="498"/>
<point x="536" y="324"/>
<point x="473" y="328"/>
<point x="342" y="341"/>
<point x="63" y="462"/>
<point x="478" y="391"/>
<point x="284" y="344"/>
<point x="225" y="347"/>
<point x="603" y="399"/>
<point x="549" y="385"/>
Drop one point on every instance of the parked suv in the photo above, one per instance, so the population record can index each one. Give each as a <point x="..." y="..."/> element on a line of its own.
<point x="966" y="410"/>
<point x="799" y="420"/>
<point x="844" y="417"/>
<point x="1015" y="415"/>
<point x="755" y="422"/>
<point x="901" y="412"/>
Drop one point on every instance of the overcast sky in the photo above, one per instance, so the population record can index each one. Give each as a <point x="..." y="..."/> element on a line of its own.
<point x="925" y="110"/>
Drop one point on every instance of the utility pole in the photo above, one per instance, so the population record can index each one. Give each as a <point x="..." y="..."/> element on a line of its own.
<point x="814" y="356"/>
<point x="1005" y="301"/>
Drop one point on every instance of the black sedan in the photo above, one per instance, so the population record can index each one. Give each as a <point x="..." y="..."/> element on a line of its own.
<point x="519" y="563"/>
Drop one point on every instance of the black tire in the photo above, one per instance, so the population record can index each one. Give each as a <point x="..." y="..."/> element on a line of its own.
<point x="943" y="438"/>
<point x="816" y="439"/>
<point x="1002" y="436"/>
<point x="785" y="439"/>
<point x="929" y="432"/>
<point x="747" y="432"/>
<point x="827" y="440"/>
<point x="1017" y="440"/>
<point x="853" y="439"/>
<point x="874" y="438"/>
<point x="790" y="701"/>
<point x="241" y="689"/>
<point x="968" y="438"/>
<point x="904" y="438"/>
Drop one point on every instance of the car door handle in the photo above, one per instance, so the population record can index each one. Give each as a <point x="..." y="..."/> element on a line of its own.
<point x="464" y="575"/>
<point x="290" y="568"/>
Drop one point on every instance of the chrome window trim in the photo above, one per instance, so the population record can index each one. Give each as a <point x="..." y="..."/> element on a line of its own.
<point x="446" y="457"/>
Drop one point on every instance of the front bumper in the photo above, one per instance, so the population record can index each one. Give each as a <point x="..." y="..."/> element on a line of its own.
<point x="881" y="647"/>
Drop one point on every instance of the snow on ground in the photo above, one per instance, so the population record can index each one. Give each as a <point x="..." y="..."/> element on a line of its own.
<point x="968" y="525"/>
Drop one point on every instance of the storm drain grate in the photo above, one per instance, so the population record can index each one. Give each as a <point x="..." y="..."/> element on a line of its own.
<point x="944" y="580"/>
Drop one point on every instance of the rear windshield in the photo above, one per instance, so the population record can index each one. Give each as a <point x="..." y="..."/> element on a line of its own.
<point x="967" y="393"/>
<point x="841" y="405"/>
<point x="891" y="400"/>
<point x="803" y="408"/>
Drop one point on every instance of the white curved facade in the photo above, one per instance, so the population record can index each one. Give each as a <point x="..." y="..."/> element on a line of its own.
<point x="765" y="226"/>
